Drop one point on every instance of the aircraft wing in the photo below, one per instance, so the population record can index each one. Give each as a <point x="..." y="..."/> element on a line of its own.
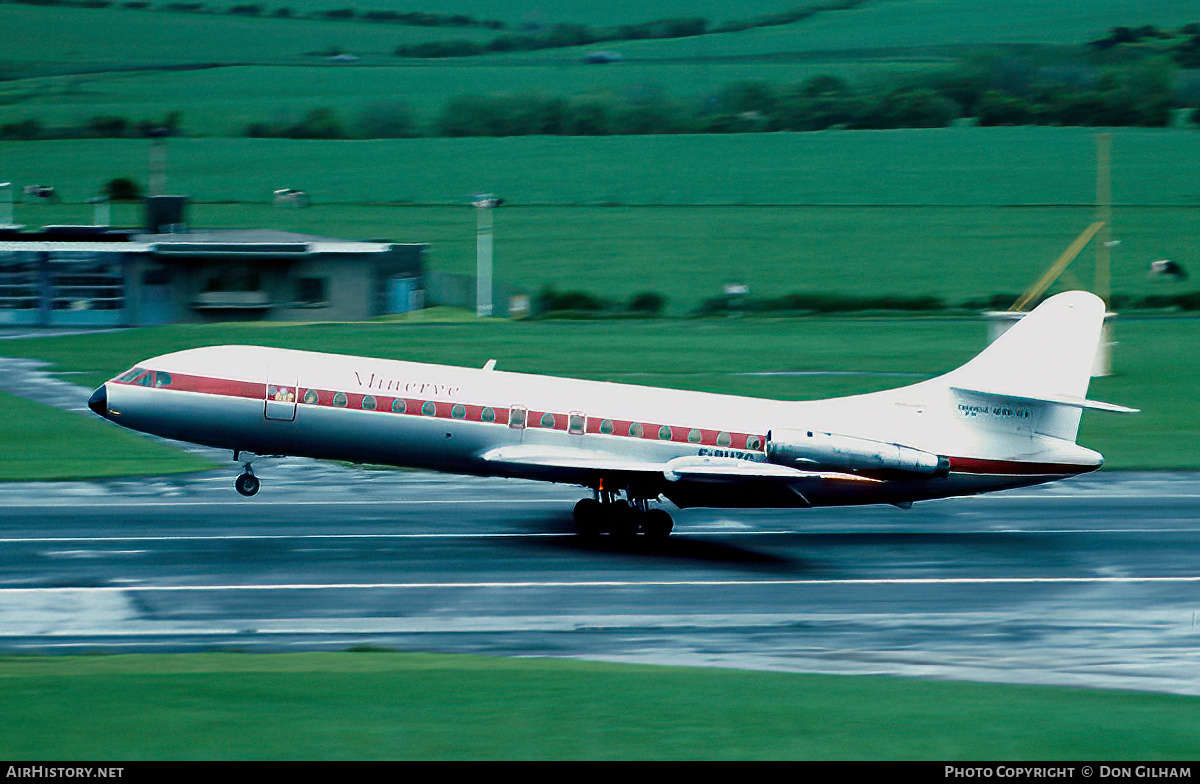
<point x="535" y="456"/>
<point x="529" y="457"/>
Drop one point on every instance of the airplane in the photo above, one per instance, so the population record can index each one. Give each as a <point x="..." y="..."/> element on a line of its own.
<point x="1007" y="418"/>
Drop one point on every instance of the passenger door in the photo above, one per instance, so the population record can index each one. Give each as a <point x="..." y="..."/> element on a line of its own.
<point x="282" y="390"/>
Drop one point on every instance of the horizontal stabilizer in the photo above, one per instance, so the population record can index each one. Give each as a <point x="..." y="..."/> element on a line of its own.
<point x="1058" y="400"/>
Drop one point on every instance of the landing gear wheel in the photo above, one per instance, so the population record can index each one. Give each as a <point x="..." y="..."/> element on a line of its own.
<point x="622" y="520"/>
<point x="588" y="516"/>
<point x="657" y="525"/>
<point x="247" y="484"/>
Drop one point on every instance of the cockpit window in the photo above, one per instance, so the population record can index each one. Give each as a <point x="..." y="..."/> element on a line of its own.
<point x="145" y="380"/>
<point x="162" y="379"/>
<point x="130" y="375"/>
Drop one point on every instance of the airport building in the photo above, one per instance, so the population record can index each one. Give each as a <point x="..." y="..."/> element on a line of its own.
<point x="163" y="273"/>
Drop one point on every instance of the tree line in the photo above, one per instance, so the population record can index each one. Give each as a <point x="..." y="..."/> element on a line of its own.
<point x="986" y="94"/>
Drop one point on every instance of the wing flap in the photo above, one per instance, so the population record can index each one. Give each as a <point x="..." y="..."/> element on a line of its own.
<point x="534" y="456"/>
<point x="731" y="469"/>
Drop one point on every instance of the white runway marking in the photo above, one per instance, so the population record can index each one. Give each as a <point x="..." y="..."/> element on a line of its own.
<point x="910" y="581"/>
<point x="679" y="536"/>
<point x="232" y="502"/>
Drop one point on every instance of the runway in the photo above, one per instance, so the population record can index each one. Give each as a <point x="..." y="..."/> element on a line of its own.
<point x="1092" y="582"/>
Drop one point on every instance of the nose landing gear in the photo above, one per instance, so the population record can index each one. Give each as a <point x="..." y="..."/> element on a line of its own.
<point x="247" y="484"/>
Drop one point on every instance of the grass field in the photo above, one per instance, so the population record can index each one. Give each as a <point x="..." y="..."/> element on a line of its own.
<point x="43" y="443"/>
<point x="933" y="167"/>
<point x="1154" y="363"/>
<point x="961" y="214"/>
<point x="396" y="706"/>
<point x="267" y="69"/>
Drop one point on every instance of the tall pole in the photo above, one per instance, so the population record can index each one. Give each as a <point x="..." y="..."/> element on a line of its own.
<point x="158" y="166"/>
<point x="484" y="204"/>
<point x="1103" y="214"/>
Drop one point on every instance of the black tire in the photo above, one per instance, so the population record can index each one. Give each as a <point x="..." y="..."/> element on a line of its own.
<point x="657" y="525"/>
<point x="247" y="484"/>
<point x="622" y="519"/>
<point x="588" y="514"/>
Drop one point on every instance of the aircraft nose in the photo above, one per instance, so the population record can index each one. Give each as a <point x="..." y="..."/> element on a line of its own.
<point x="98" y="402"/>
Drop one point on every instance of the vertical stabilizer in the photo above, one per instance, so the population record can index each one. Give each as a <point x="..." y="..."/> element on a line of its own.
<point x="1042" y="364"/>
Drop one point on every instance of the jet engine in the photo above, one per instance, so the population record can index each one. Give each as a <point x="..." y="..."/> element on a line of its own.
<point x="810" y="448"/>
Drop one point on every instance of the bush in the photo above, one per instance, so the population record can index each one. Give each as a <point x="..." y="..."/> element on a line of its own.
<point x="649" y="303"/>
<point x="999" y="108"/>
<point x="25" y="130"/>
<point x="322" y="123"/>
<point x="122" y="189"/>
<point x="548" y="300"/>
<point x="108" y="126"/>
<point x="912" y="108"/>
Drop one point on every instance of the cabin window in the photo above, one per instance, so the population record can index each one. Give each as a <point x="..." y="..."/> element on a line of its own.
<point x="398" y="406"/>
<point x="162" y="379"/>
<point x="635" y="430"/>
<point x="547" y="420"/>
<point x="606" y="427"/>
<point x="369" y="402"/>
<point x="575" y="423"/>
<point x="694" y="436"/>
<point x="723" y="439"/>
<point x="459" y="411"/>
<point x="311" y="397"/>
<point x="516" y="417"/>
<point x="664" y="433"/>
<point x="339" y="399"/>
<point x="753" y="442"/>
<point x="429" y="408"/>
<point x="488" y="415"/>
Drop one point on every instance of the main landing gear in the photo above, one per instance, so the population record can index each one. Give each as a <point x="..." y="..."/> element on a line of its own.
<point x="607" y="514"/>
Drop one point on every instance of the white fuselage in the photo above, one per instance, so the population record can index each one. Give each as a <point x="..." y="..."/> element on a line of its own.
<point x="697" y="449"/>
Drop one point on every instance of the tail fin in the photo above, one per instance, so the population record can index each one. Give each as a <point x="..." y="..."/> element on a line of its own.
<point x="1043" y="363"/>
